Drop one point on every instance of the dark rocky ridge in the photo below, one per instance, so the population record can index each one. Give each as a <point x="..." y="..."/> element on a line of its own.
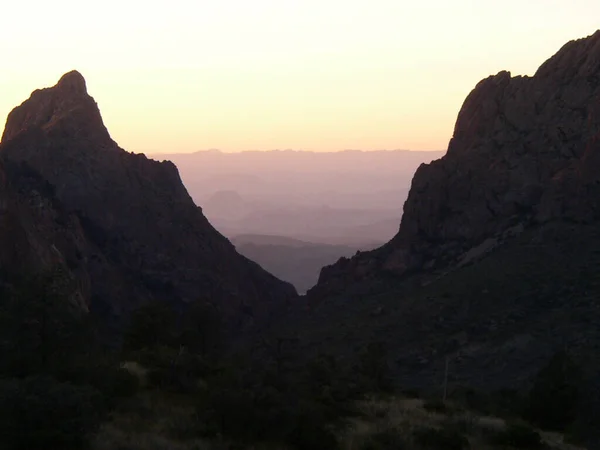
<point x="127" y="230"/>
<point x="495" y="266"/>
<point x="525" y="151"/>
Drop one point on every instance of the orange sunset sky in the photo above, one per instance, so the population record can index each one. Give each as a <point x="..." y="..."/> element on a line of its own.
<point x="181" y="76"/>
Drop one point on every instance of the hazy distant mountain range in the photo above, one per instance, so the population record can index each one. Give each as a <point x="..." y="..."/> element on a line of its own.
<point x="283" y="192"/>
<point x="332" y="203"/>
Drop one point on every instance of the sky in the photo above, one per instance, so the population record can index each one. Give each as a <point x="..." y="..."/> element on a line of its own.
<point x="320" y="75"/>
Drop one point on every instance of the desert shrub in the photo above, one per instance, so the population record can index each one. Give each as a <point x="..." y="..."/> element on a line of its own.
<point x="576" y="434"/>
<point x="40" y="413"/>
<point x="329" y="384"/>
<point x="464" y="423"/>
<point x="120" y="384"/>
<point x="252" y="404"/>
<point x="172" y="369"/>
<point x="553" y="400"/>
<point x="150" y="326"/>
<point x="198" y="329"/>
<point x="41" y="332"/>
<point x="175" y="349"/>
<point x="240" y="406"/>
<point x="105" y="376"/>
<point x="501" y="403"/>
<point x="373" y="371"/>
<point x="410" y="393"/>
<point x="439" y="439"/>
<point x="309" y="431"/>
<point x="436" y="406"/>
<point x="517" y="435"/>
<point x="202" y="330"/>
<point x="388" y="439"/>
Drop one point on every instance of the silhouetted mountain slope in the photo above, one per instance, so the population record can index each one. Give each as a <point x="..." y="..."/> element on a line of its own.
<point x="525" y="152"/>
<point x="495" y="263"/>
<point x="496" y="321"/>
<point x="135" y="232"/>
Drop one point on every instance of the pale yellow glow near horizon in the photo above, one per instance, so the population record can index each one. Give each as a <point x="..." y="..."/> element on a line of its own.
<point x="322" y="75"/>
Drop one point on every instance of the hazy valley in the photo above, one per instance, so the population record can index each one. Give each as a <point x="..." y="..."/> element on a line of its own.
<point x="329" y="205"/>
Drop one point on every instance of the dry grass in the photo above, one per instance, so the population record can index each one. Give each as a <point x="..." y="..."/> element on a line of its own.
<point x="557" y="440"/>
<point x="403" y="416"/>
<point x="114" y="437"/>
<point x="158" y="421"/>
<point x="155" y="422"/>
<point x="150" y="422"/>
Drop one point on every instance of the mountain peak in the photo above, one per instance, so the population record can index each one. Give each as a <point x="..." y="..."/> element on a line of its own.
<point x="65" y="108"/>
<point x="72" y="82"/>
<point x="577" y="58"/>
<point x="137" y="235"/>
<point x="525" y="152"/>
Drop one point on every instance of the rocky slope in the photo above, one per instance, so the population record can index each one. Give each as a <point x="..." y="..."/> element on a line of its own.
<point x="525" y="152"/>
<point x="495" y="266"/>
<point x="122" y="225"/>
<point x="33" y="226"/>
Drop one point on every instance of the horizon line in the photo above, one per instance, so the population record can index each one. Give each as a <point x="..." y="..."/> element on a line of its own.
<point x="287" y="150"/>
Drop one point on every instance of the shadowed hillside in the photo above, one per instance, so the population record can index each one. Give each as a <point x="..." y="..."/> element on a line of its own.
<point x="129" y="232"/>
<point x="494" y="266"/>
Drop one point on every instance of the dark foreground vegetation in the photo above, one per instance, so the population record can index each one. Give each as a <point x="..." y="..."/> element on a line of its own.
<point x="173" y="382"/>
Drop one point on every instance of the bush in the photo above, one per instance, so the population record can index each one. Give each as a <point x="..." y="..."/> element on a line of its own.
<point x="172" y="369"/>
<point x="41" y="413"/>
<point x="106" y="377"/>
<point x="242" y="410"/>
<point x="502" y="403"/>
<point x="388" y="439"/>
<point x="436" y="439"/>
<point x="436" y="406"/>
<point x="121" y="384"/>
<point x="554" y="398"/>
<point x="464" y="423"/>
<point x="518" y="435"/>
<point x="150" y="326"/>
<point x="373" y="370"/>
<point x="253" y="404"/>
<point x="41" y="332"/>
<point x="411" y="393"/>
<point x="328" y="384"/>
<point x="309" y="432"/>
<point x="198" y="329"/>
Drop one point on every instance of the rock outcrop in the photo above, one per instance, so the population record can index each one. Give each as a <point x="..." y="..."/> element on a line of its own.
<point x="123" y="225"/>
<point x="525" y="151"/>
<point x="33" y="227"/>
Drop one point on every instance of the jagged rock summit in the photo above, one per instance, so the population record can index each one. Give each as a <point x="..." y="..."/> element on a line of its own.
<point x="525" y="152"/>
<point x="122" y="225"/>
<point x="65" y="106"/>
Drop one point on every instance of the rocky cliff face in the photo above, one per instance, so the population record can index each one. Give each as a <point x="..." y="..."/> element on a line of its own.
<point x="525" y="151"/>
<point x="33" y="227"/>
<point x="123" y="225"/>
